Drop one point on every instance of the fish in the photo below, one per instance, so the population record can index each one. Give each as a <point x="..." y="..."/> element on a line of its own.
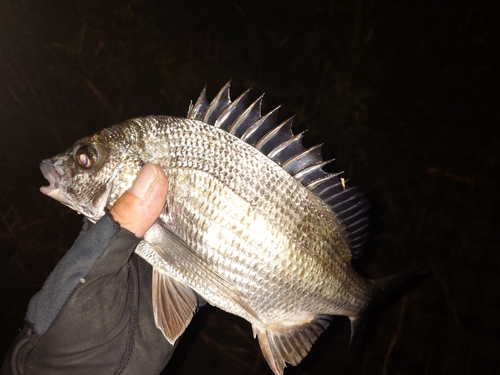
<point x="252" y="222"/>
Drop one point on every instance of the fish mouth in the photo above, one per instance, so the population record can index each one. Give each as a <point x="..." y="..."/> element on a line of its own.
<point x="50" y="173"/>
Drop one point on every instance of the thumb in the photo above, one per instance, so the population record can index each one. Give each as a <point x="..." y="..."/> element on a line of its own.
<point x="138" y="208"/>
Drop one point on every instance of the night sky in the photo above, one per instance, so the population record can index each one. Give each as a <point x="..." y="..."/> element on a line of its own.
<point x="403" y="94"/>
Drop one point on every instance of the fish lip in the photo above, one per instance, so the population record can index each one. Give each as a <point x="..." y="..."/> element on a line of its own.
<point x="52" y="176"/>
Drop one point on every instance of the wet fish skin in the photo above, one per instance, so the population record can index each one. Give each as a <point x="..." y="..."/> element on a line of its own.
<point x="237" y="229"/>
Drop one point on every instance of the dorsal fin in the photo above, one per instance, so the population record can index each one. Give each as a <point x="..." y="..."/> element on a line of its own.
<point x="281" y="145"/>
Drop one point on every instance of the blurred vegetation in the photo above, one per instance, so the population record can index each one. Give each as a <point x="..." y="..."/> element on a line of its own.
<point x="404" y="95"/>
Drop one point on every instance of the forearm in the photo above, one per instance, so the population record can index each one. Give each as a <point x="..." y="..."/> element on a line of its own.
<point x="95" y="317"/>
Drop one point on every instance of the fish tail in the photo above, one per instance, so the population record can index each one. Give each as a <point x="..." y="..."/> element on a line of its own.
<point x="382" y="288"/>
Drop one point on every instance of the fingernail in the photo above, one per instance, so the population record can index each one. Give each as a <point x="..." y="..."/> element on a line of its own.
<point x="144" y="181"/>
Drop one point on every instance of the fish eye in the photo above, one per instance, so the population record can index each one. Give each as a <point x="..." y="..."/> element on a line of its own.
<point x="86" y="156"/>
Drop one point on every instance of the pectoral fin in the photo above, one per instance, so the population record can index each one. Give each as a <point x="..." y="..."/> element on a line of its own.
<point x="174" y="305"/>
<point x="184" y="263"/>
<point x="289" y="344"/>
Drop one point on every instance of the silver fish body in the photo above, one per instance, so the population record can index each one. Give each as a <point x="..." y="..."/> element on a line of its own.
<point x="253" y="234"/>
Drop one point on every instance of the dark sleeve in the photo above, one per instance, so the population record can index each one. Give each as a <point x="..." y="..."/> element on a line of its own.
<point x="94" y="313"/>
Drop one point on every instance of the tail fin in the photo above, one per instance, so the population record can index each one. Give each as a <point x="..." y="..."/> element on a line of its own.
<point x="382" y="288"/>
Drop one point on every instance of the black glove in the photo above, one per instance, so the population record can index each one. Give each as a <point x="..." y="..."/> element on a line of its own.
<point x="94" y="313"/>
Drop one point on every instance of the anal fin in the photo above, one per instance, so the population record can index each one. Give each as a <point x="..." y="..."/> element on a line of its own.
<point x="174" y="305"/>
<point x="290" y="344"/>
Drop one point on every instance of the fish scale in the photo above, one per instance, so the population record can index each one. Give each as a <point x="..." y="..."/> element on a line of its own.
<point x="244" y="186"/>
<point x="252" y="223"/>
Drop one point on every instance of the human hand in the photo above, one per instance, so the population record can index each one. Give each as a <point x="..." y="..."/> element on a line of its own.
<point x="138" y="208"/>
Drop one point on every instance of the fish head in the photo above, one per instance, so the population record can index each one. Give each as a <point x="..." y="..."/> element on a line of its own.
<point x="84" y="177"/>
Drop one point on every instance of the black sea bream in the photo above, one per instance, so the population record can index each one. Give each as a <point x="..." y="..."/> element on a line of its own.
<point x="252" y="223"/>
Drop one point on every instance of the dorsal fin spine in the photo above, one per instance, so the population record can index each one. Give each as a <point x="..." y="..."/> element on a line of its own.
<point x="272" y="138"/>
<point x="217" y="105"/>
<point x="317" y="186"/>
<point x="309" y="156"/>
<point x="232" y="111"/>
<point x="292" y="144"/>
<point x="261" y="127"/>
<point x="247" y="118"/>
<point x="312" y="173"/>
<point x="196" y="111"/>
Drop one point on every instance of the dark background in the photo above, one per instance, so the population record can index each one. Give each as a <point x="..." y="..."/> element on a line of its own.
<point x="404" y="94"/>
